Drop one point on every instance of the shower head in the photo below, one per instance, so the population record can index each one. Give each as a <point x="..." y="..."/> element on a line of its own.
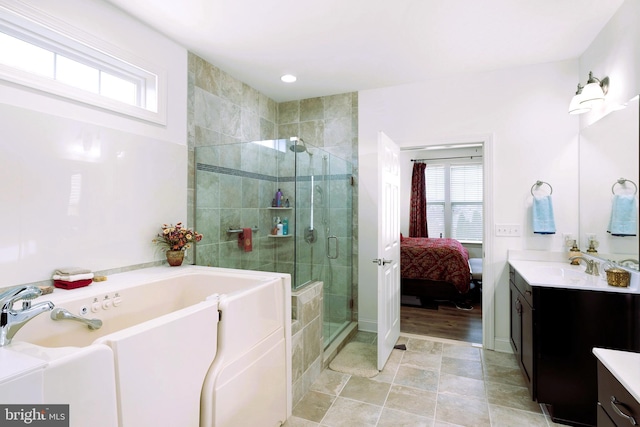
<point x="298" y="146"/>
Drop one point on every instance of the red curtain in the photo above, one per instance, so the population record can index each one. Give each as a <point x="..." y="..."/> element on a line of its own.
<point x="418" y="208"/>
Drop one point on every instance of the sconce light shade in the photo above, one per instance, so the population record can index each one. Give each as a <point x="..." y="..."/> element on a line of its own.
<point x="588" y="96"/>
<point x="591" y="93"/>
<point x="576" y="106"/>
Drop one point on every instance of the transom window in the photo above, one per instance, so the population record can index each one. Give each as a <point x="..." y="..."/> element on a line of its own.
<point x="34" y="55"/>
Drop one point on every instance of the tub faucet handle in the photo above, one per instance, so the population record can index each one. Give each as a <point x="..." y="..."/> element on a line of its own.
<point x="12" y="320"/>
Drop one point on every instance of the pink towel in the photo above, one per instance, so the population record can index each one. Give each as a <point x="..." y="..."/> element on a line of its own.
<point x="245" y="240"/>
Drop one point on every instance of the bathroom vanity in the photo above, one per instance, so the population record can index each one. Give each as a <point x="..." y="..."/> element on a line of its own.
<point x="558" y="315"/>
<point x="618" y="387"/>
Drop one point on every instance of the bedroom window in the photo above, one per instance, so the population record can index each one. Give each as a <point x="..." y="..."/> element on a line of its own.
<point x="454" y="201"/>
<point x="76" y="66"/>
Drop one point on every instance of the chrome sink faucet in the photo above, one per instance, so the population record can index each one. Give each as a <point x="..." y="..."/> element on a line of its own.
<point x="12" y="320"/>
<point x="592" y="265"/>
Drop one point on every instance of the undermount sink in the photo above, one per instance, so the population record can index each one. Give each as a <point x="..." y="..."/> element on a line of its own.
<point x="558" y="274"/>
<point x="565" y="273"/>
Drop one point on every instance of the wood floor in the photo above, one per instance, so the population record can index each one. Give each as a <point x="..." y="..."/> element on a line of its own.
<point x="446" y="322"/>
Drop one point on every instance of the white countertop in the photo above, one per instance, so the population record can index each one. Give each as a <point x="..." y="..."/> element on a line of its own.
<point x="625" y="367"/>
<point x="549" y="269"/>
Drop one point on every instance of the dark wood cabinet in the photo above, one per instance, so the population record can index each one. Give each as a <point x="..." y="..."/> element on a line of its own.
<point x="553" y="333"/>
<point x="522" y="341"/>
<point x="616" y="406"/>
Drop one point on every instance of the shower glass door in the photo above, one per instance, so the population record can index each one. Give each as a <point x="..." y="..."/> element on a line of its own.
<point x="324" y="235"/>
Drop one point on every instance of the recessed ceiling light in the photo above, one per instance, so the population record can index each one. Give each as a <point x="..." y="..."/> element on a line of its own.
<point x="288" y="78"/>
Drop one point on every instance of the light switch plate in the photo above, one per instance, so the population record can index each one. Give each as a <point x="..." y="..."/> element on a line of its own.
<point x="508" y="230"/>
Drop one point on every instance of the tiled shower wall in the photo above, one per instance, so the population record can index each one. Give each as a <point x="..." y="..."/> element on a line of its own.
<point x="223" y="110"/>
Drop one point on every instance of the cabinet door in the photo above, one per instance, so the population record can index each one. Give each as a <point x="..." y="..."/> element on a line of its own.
<point x="526" y="347"/>
<point x="603" y="418"/>
<point x="516" y="323"/>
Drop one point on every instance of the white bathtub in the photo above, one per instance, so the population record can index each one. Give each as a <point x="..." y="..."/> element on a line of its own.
<point x="191" y="346"/>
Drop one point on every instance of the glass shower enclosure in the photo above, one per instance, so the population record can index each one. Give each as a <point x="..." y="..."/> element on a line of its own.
<point x="235" y="190"/>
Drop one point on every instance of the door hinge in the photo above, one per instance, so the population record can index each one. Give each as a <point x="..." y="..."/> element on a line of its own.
<point x="351" y="304"/>
<point x="219" y="315"/>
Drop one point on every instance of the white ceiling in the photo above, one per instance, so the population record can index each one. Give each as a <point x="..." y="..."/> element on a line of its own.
<point x="338" y="46"/>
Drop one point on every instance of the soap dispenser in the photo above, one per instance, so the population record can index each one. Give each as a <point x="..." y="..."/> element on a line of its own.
<point x="574" y="251"/>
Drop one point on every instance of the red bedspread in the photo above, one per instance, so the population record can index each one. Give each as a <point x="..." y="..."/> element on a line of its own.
<point x="443" y="260"/>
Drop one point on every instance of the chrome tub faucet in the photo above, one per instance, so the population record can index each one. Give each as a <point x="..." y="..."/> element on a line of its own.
<point x="592" y="265"/>
<point x="61" y="314"/>
<point x="12" y="320"/>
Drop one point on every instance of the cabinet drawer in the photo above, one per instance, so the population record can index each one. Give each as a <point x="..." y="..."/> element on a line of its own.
<point x="523" y="287"/>
<point x="609" y="387"/>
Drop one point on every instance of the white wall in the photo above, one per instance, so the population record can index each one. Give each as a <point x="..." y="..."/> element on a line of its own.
<point x="525" y="111"/>
<point x="82" y="186"/>
<point x="615" y="53"/>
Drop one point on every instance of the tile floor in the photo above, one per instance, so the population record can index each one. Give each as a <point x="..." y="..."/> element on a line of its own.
<point x="435" y="383"/>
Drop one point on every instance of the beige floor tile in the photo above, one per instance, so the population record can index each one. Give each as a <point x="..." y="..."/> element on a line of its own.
<point x="433" y="383"/>
<point x="313" y="406"/>
<point x="511" y="396"/>
<point x="422" y="360"/>
<point x="412" y="400"/>
<point x="468" y="412"/>
<point x="444" y="424"/>
<point x="366" y="390"/>
<point x="491" y="357"/>
<point x="351" y="413"/>
<point x="509" y="417"/>
<point x="504" y="375"/>
<point x="461" y="386"/>
<point x="299" y="422"/>
<point x="461" y="352"/>
<point x="462" y="367"/>
<point x="391" y="418"/>
<point x="423" y="379"/>
<point x="330" y="382"/>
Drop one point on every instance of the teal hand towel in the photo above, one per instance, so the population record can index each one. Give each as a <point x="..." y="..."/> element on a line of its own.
<point x="623" y="215"/>
<point x="543" y="220"/>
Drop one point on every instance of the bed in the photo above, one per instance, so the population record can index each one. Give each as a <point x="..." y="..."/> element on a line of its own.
<point x="434" y="269"/>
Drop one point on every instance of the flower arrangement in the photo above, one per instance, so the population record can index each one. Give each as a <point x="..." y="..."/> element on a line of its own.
<point x="176" y="238"/>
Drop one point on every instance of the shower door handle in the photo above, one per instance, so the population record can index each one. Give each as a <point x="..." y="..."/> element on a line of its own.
<point x="329" y="247"/>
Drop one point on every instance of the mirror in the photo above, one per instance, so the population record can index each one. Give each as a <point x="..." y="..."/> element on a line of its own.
<point x="608" y="152"/>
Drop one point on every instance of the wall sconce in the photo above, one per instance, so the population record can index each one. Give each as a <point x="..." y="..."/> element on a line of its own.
<point x="588" y="96"/>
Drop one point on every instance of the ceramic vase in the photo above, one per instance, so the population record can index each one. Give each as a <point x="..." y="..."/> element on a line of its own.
<point x="175" y="258"/>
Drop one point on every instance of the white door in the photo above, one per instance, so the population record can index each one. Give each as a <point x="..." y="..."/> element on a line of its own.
<point x="388" y="255"/>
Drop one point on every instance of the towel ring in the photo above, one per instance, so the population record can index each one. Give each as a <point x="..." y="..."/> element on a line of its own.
<point x="622" y="181"/>
<point x="538" y="184"/>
